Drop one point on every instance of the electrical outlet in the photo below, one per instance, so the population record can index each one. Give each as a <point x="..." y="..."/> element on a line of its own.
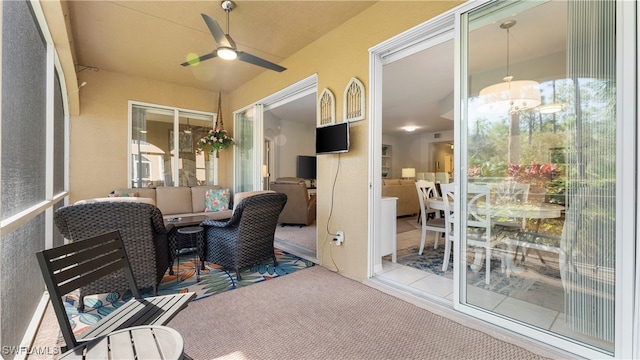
<point x="339" y="239"/>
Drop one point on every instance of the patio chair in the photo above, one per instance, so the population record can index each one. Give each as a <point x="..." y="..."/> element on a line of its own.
<point x="75" y="265"/>
<point x="247" y="237"/>
<point x="142" y="230"/>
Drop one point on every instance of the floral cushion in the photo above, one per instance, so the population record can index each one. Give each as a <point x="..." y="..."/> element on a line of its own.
<point x="216" y="200"/>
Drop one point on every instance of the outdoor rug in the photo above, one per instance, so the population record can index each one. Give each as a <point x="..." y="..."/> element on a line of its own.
<point x="213" y="280"/>
<point x="535" y="282"/>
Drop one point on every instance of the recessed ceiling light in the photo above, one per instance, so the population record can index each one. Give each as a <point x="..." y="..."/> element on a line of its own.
<point x="410" y="128"/>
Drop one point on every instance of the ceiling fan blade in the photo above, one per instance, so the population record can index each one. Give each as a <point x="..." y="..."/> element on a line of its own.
<point x="200" y="59"/>
<point x="216" y="31"/>
<point x="252" y="59"/>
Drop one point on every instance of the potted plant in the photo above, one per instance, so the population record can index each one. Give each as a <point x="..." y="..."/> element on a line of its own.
<point x="214" y="141"/>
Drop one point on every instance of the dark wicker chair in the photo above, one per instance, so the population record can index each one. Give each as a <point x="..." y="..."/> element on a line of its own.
<point x="246" y="238"/>
<point x="143" y="233"/>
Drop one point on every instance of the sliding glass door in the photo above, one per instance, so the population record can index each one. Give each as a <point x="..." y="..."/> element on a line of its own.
<point x="541" y="127"/>
<point x="248" y="154"/>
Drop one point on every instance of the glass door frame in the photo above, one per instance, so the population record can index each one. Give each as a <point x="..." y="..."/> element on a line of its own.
<point x="290" y="93"/>
<point x="627" y="293"/>
<point x="255" y="181"/>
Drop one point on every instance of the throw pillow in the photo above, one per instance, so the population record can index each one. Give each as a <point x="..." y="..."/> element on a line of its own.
<point x="216" y="200"/>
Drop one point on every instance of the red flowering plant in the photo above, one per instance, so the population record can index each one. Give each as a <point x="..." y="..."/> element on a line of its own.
<point x="535" y="174"/>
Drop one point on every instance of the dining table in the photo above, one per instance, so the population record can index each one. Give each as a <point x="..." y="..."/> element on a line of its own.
<point x="512" y="209"/>
<point x="531" y="210"/>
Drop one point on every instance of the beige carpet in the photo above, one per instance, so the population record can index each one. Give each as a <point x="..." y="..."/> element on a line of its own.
<point x="317" y="314"/>
<point x="304" y="236"/>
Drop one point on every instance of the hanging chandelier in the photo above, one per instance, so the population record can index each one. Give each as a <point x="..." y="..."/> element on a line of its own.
<point x="510" y="96"/>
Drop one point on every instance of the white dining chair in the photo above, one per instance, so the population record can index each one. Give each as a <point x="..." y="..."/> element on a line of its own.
<point x="437" y="225"/>
<point x="479" y="226"/>
<point x="449" y="217"/>
<point x="510" y="191"/>
<point x="429" y="190"/>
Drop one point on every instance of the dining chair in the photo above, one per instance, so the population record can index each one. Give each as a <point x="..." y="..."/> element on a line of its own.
<point x="449" y="217"/>
<point x="429" y="190"/>
<point x="437" y="225"/>
<point x="510" y="191"/>
<point x="479" y="226"/>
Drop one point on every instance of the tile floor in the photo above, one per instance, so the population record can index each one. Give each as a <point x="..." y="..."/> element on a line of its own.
<point x="440" y="288"/>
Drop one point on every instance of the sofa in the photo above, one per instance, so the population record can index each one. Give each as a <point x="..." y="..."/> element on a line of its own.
<point x="405" y="191"/>
<point x="178" y="201"/>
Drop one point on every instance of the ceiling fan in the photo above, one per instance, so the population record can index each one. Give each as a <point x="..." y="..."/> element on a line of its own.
<point x="226" y="47"/>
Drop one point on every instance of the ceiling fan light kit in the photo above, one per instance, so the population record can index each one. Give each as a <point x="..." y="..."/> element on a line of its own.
<point x="227" y="53"/>
<point x="225" y="46"/>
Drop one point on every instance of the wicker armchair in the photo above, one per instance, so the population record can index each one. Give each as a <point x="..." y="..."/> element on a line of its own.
<point x="246" y="238"/>
<point x="143" y="233"/>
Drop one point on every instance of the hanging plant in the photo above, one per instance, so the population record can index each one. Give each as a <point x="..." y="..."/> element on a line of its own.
<point x="215" y="140"/>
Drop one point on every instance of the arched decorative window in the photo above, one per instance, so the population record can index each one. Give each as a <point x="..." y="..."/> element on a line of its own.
<point x="354" y="101"/>
<point x="326" y="108"/>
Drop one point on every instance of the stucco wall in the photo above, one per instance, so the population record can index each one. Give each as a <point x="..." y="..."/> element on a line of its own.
<point x="98" y="146"/>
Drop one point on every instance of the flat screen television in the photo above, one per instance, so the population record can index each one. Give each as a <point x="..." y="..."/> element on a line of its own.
<point x="306" y="167"/>
<point x="332" y="139"/>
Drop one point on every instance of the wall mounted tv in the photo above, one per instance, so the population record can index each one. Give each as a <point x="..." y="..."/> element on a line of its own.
<point x="306" y="167"/>
<point x="332" y="139"/>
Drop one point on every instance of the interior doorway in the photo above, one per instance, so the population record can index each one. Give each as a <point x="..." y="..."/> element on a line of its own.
<point x="289" y="122"/>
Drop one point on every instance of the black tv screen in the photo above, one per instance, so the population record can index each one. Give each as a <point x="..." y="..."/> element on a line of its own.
<point x="306" y="167"/>
<point x="332" y="139"/>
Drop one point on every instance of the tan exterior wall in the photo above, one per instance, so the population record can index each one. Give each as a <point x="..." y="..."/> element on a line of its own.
<point x="336" y="58"/>
<point x="98" y="146"/>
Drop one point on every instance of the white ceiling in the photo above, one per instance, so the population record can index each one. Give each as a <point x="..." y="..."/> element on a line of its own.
<point x="151" y="38"/>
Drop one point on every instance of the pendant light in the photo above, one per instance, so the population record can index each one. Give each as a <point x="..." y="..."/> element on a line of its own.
<point x="553" y="107"/>
<point x="510" y="96"/>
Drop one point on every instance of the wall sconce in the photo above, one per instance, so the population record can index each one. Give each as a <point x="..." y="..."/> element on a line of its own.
<point x="408" y="173"/>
